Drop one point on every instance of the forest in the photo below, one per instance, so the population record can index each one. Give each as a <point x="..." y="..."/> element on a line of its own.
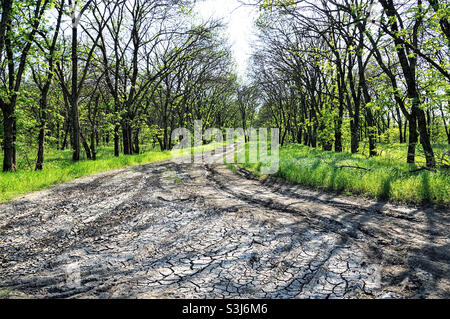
<point x="379" y="68"/>
<point x="364" y="81"/>
<point x="318" y="168"/>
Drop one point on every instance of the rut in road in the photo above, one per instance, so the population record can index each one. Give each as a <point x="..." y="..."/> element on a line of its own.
<point x="186" y="230"/>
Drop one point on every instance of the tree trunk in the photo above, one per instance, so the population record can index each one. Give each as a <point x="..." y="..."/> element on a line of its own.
<point x="161" y="146"/>
<point x="75" y="133"/>
<point x="405" y="127"/>
<point x="283" y="138"/>
<point x="136" y="149"/>
<point x="9" y="141"/>
<point x="409" y="65"/>
<point x="372" y="135"/>
<point x="412" y="139"/>
<point x="165" y="138"/>
<point x="300" y="135"/>
<point x="127" y="139"/>
<point x="370" y="121"/>
<point x="58" y="135"/>
<point x="306" y="136"/>
<point x="116" y="141"/>
<point x="313" y="138"/>
<point x="93" y="142"/>
<point x="338" y="131"/>
<point x="40" y="153"/>
<point x="425" y="138"/>
<point x="74" y="96"/>
<point x="354" y="128"/>
<point x="86" y="147"/>
<point x="66" y="132"/>
<point x="43" y="123"/>
<point x="400" y="126"/>
<point x="338" y="121"/>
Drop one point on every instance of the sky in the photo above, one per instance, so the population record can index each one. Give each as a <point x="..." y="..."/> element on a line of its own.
<point x="240" y="20"/>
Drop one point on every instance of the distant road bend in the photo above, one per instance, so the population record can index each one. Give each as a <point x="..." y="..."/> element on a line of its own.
<point x="171" y="230"/>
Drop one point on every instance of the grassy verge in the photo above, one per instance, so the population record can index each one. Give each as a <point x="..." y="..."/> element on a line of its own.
<point x="24" y="181"/>
<point x="384" y="177"/>
<point x="59" y="168"/>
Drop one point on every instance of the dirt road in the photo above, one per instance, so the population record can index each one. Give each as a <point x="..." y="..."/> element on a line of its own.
<point x="183" y="230"/>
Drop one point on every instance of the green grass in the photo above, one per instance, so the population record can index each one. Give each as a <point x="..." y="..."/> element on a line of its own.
<point x="59" y="168"/>
<point x="388" y="176"/>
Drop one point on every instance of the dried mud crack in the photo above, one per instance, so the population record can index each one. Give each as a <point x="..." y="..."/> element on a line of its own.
<point x="171" y="230"/>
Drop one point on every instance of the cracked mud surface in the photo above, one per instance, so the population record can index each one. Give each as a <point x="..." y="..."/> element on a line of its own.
<point x="171" y="230"/>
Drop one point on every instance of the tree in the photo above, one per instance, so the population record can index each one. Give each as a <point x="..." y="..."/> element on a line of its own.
<point x="47" y="48"/>
<point x="18" y="29"/>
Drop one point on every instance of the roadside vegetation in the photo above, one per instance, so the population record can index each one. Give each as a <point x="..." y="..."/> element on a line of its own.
<point x="384" y="177"/>
<point x="359" y="90"/>
<point x="60" y="168"/>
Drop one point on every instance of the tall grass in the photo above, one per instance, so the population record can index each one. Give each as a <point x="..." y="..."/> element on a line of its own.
<point x="59" y="168"/>
<point x="385" y="177"/>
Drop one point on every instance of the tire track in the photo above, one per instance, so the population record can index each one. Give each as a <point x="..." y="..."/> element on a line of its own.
<point x="170" y="230"/>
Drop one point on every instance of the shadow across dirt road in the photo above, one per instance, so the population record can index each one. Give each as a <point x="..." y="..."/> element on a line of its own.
<point x="202" y="231"/>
